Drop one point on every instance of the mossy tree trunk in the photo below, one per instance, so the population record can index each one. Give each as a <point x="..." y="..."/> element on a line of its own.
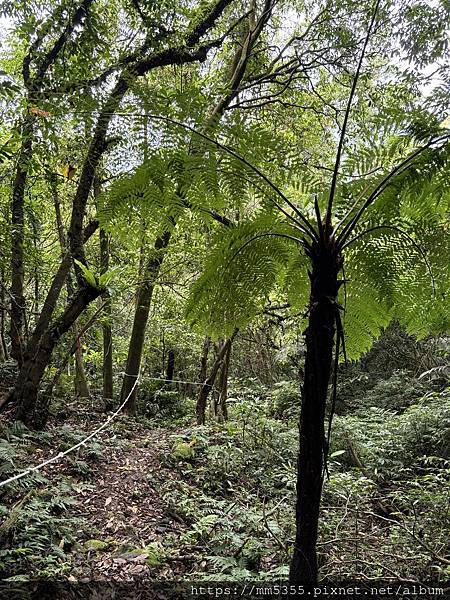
<point x="143" y="302"/>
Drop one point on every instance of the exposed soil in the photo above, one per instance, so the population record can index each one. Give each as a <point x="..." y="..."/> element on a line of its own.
<point x="120" y="501"/>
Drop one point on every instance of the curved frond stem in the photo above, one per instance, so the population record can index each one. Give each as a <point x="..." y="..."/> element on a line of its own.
<point x="400" y="168"/>
<point x="318" y="218"/>
<point x="276" y="189"/>
<point x="346" y="117"/>
<point x="268" y="234"/>
<point x="296" y="223"/>
<point x="345" y="288"/>
<point x="404" y="233"/>
<point x="341" y="332"/>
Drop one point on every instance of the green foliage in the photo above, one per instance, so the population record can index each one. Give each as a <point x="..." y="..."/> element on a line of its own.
<point x="159" y="402"/>
<point x="285" y="400"/>
<point x="395" y="393"/>
<point x="235" y="486"/>
<point x="240" y="274"/>
<point x="41" y="537"/>
<point x="250" y="462"/>
<point x="392" y="444"/>
<point x="42" y="533"/>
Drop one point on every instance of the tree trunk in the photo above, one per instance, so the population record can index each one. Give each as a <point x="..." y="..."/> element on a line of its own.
<point x="208" y="383"/>
<point x="108" y="389"/>
<point x="36" y="261"/>
<point x="216" y="391"/>
<point x="136" y="346"/>
<point x="204" y="359"/>
<point x="221" y="407"/>
<point x="170" y="366"/>
<point x="17" y="232"/>
<point x="318" y="364"/>
<point x="30" y="376"/>
<point x="32" y="348"/>
<point x="81" y="383"/>
<point x="3" y="346"/>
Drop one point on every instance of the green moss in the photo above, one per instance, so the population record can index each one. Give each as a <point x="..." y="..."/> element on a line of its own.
<point x="95" y="545"/>
<point x="183" y="450"/>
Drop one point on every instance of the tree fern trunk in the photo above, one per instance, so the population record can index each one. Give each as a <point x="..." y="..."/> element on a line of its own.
<point x="318" y="364"/>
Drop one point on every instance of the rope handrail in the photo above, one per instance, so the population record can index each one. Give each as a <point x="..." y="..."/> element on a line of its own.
<point x="101" y="427"/>
<point x="60" y="455"/>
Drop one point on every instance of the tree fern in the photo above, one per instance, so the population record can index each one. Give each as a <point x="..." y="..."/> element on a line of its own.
<point x="240" y="273"/>
<point x="394" y="264"/>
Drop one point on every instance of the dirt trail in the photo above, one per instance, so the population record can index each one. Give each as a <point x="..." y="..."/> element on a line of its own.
<point x="122" y="505"/>
<point x="126" y="507"/>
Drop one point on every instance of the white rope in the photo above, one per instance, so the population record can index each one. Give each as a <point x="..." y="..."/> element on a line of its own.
<point x="72" y="448"/>
<point x="95" y="432"/>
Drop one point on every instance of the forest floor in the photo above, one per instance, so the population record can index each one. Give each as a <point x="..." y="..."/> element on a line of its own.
<point x="160" y="499"/>
<point x="116" y="496"/>
<point x="125" y="506"/>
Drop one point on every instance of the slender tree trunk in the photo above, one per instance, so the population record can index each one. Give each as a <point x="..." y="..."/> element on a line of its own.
<point x="2" y="352"/>
<point x="318" y="364"/>
<point x="144" y="298"/>
<point x="17" y="232"/>
<point x="208" y="383"/>
<point x="35" y="311"/>
<point x="221" y="408"/>
<point x="3" y="346"/>
<point x="216" y="391"/>
<point x="204" y="359"/>
<point x="108" y="389"/>
<point x="170" y="366"/>
<point x="81" y="383"/>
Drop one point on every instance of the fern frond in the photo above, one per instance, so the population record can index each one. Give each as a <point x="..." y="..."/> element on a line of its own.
<point x="239" y="275"/>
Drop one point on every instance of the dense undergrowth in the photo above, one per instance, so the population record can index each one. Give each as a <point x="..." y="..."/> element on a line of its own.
<point x="232" y="487"/>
